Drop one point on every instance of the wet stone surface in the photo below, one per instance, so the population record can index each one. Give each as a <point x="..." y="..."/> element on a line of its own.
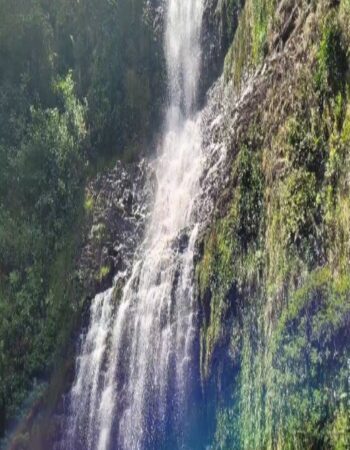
<point x="118" y="203"/>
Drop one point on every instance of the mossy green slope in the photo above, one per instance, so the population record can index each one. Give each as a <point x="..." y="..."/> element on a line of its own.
<point x="274" y="277"/>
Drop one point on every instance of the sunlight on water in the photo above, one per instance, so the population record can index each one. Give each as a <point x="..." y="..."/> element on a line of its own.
<point x="134" y="370"/>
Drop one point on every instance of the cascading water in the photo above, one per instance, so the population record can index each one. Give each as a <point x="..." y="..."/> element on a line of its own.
<point x="134" y="375"/>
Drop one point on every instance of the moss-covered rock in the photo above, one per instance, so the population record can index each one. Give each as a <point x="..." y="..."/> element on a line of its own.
<point x="274" y="272"/>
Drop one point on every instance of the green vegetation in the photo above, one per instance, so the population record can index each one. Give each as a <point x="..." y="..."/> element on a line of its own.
<point x="104" y="272"/>
<point x="89" y="203"/>
<point x="81" y="85"/>
<point x="331" y="59"/>
<point x="250" y="42"/>
<point x="274" y="275"/>
<point x="235" y="235"/>
<point x="41" y="193"/>
<point x="308" y="383"/>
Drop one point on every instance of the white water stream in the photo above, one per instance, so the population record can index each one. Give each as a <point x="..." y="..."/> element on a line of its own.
<point x="133" y="374"/>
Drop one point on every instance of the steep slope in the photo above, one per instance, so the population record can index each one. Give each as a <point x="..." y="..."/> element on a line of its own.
<point x="274" y="273"/>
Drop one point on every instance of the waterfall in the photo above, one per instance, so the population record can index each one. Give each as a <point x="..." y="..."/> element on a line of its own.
<point x="136" y="369"/>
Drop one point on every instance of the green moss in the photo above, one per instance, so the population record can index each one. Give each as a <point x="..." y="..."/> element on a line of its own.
<point x="305" y="146"/>
<point x="223" y="270"/>
<point x="104" y="272"/>
<point x="215" y="274"/>
<point x="337" y="205"/>
<point x="309" y="355"/>
<point x="332" y="60"/>
<point x="89" y="204"/>
<point x="227" y="435"/>
<point x="298" y="212"/>
<point x="289" y="267"/>
<point x="250" y="203"/>
<point x="292" y="386"/>
<point x="250" y="42"/>
<point x="339" y="431"/>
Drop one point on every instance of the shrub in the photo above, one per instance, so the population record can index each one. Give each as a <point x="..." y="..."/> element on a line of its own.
<point x="332" y="61"/>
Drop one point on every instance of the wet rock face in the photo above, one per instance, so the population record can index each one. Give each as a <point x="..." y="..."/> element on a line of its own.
<point x="154" y="15"/>
<point x="220" y="21"/>
<point x="118" y="203"/>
